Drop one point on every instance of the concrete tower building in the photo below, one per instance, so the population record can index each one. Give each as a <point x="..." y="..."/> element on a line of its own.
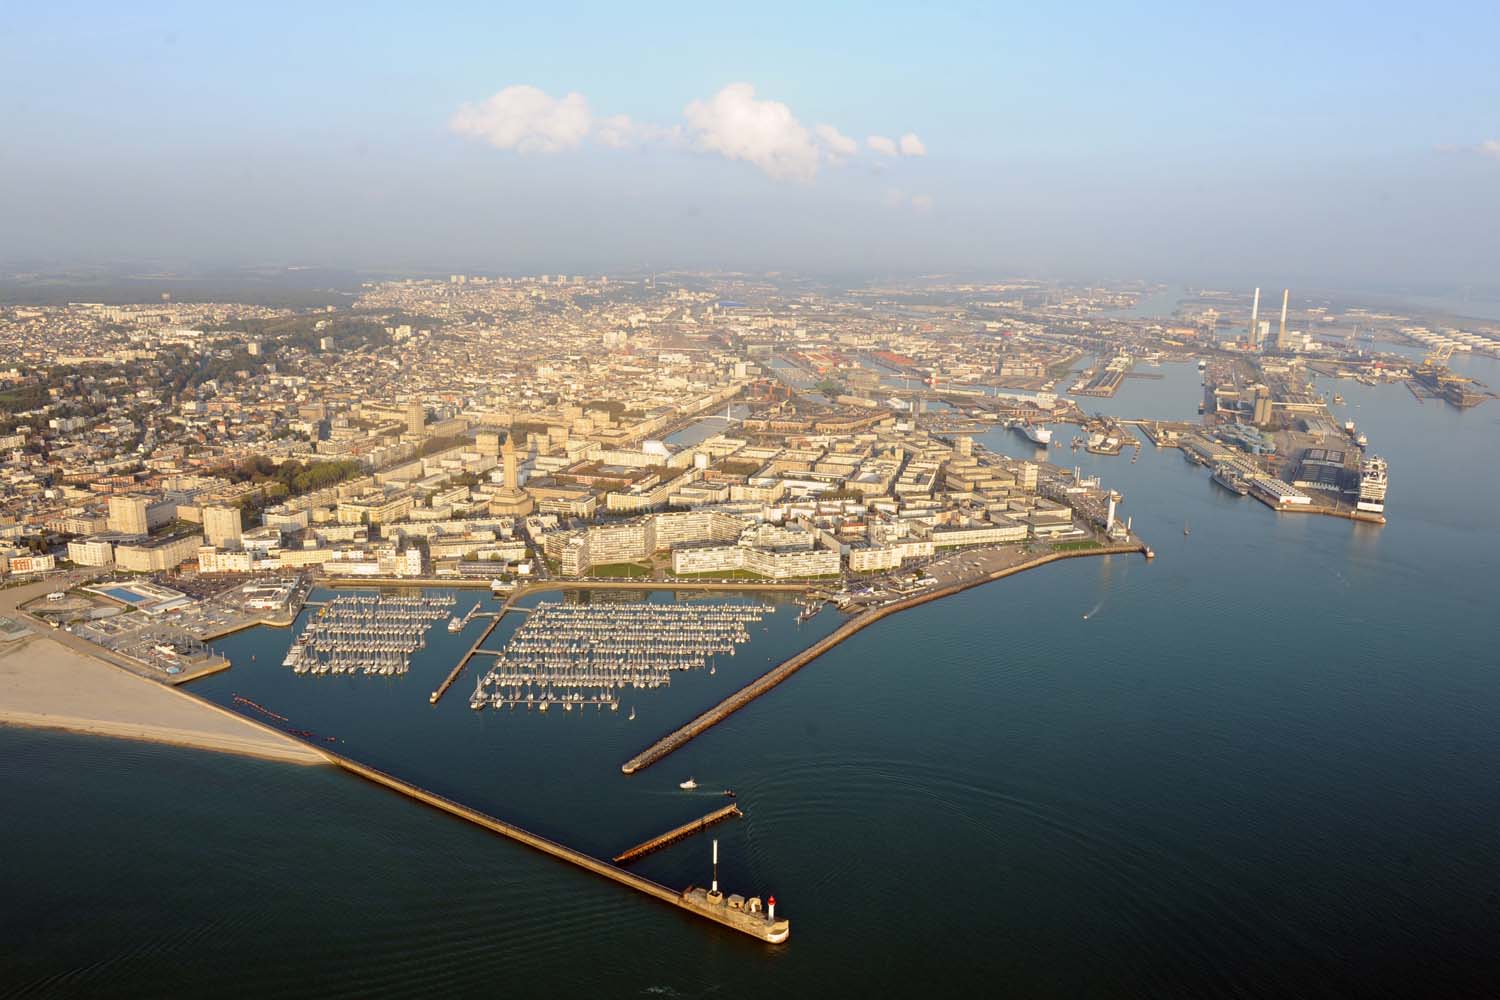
<point x="510" y="498"/>
<point x="416" y="418"/>
<point x="222" y="526"/>
<point x="127" y="515"/>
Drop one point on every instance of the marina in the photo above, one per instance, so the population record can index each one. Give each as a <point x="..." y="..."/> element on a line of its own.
<point x="366" y="634"/>
<point x="575" y="655"/>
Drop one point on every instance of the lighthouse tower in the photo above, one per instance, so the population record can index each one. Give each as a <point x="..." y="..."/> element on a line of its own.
<point x="714" y="895"/>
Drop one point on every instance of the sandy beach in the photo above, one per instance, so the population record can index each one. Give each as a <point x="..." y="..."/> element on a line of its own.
<point x="47" y="684"/>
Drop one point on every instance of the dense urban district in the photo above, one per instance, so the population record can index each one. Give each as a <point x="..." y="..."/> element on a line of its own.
<point x="186" y="469"/>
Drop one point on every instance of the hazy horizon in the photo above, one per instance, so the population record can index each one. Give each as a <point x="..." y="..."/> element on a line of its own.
<point x="1339" y="145"/>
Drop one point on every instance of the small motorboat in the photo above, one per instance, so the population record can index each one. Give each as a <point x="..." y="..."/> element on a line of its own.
<point x="688" y="784"/>
<point x="728" y="793"/>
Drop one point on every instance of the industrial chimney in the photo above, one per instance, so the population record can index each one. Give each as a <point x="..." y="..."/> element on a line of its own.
<point x="1255" y="318"/>
<point x="1281" y="333"/>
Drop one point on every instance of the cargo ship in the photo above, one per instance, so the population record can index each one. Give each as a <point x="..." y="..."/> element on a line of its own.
<point x="1372" y="483"/>
<point x="1231" y="480"/>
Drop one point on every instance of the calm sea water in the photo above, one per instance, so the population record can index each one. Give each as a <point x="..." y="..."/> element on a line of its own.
<point x="1264" y="765"/>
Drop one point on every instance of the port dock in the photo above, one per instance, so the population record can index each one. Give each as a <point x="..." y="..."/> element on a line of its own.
<point x="765" y="682"/>
<point x="677" y="833"/>
<point x="463" y="661"/>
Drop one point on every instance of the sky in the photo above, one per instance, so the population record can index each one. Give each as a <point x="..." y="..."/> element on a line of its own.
<point x="1259" y="144"/>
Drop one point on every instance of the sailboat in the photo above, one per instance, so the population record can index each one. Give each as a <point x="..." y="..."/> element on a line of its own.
<point x="632" y="712"/>
<point x="1185" y="529"/>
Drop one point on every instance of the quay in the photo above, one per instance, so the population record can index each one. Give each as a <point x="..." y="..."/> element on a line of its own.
<point x="1367" y="516"/>
<point x="746" y="920"/>
<point x="764" y="683"/>
<point x="284" y="620"/>
<point x="542" y="586"/>
<point x="677" y="833"/>
<point x="463" y="661"/>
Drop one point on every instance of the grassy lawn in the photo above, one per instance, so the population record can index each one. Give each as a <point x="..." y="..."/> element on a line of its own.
<point x="1078" y="546"/>
<point x="628" y="570"/>
<point x="725" y="574"/>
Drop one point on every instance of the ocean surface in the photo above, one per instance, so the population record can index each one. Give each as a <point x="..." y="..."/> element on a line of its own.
<point x="1265" y="764"/>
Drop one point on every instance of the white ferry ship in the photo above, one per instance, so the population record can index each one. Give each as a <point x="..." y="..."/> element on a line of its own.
<point x="1039" y="435"/>
<point x="1372" y="482"/>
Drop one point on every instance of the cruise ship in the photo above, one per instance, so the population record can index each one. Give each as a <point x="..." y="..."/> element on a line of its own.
<point x="1372" y="477"/>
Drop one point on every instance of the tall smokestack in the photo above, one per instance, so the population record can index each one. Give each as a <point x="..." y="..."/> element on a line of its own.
<point x="1281" y="333"/>
<point x="1255" y="318"/>
<point x="716" y="864"/>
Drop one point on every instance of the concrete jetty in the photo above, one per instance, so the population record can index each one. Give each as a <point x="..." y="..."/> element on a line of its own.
<point x="764" y="928"/>
<point x="765" y="682"/>
<point x="677" y="833"/>
<point x="463" y="661"/>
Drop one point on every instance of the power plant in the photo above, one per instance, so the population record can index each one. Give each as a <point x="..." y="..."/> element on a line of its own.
<point x="1257" y="334"/>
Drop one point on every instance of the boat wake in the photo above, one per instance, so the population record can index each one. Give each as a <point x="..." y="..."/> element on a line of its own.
<point x="1091" y="612"/>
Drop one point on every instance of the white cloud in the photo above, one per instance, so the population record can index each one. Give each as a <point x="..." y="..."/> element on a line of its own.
<point x="616" y="131"/>
<point x="527" y="120"/>
<point x="737" y="126"/>
<point x="733" y="123"/>
<point x="624" y="132"/>
<point x="1488" y="148"/>
<point x="837" y="144"/>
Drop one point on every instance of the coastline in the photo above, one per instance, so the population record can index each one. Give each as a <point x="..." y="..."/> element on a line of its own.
<point x="150" y="733"/>
<point x="45" y="684"/>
